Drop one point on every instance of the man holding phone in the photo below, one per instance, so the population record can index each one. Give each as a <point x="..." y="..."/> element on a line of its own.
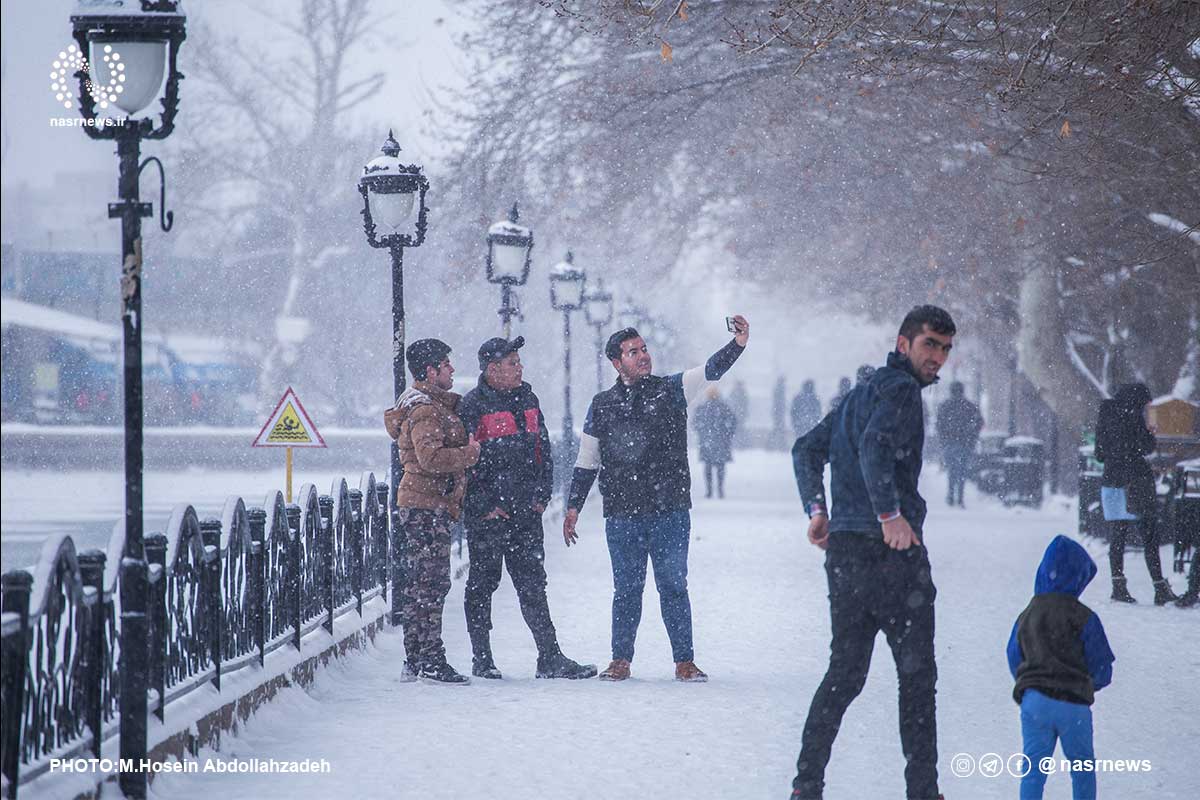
<point x="877" y="567"/>
<point x="635" y="439"/>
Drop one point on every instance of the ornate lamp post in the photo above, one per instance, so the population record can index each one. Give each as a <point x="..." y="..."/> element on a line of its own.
<point x="598" y="306"/>
<point x="130" y="51"/>
<point x="391" y="191"/>
<point x="633" y="316"/>
<point x="509" y="246"/>
<point x="567" y="284"/>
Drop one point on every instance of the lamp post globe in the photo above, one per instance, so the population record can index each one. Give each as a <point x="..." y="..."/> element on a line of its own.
<point x="508" y="261"/>
<point x="131" y="51"/>
<point x="391" y="192"/>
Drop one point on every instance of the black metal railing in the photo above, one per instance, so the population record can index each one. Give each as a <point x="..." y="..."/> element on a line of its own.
<point x="224" y="592"/>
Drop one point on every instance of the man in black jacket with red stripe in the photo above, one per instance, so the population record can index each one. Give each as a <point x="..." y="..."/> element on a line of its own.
<point x="507" y="493"/>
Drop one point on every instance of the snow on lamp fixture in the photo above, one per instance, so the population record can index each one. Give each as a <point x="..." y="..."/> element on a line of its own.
<point x="599" y="305"/>
<point x="509" y="247"/>
<point x="567" y="284"/>
<point x="131" y="48"/>
<point x="391" y="190"/>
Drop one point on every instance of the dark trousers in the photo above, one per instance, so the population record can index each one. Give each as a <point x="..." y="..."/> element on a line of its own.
<point x="519" y="544"/>
<point x="958" y="469"/>
<point x="1118" y="534"/>
<point x="709" y="468"/>
<point x="874" y="588"/>
<point x="663" y="539"/>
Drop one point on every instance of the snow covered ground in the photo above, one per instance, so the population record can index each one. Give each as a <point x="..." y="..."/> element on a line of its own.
<point x="762" y="630"/>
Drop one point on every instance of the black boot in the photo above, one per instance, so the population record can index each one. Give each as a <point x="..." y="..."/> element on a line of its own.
<point x="441" y="672"/>
<point x="1121" y="591"/>
<point x="556" y="665"/>
<point x="1163" y="593"/>
<point x="1190" y="598"/>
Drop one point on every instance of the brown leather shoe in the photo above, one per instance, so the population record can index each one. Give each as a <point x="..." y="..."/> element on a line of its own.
<point x="688" y="672"/>
<point x="618" y="670"/>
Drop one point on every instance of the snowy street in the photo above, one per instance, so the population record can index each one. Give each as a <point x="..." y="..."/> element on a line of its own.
<point x="762" y="630"/>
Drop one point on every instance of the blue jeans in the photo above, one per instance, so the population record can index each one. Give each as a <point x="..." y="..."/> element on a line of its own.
<point x="664" y="539"/>
<point x="1043" y="722"/>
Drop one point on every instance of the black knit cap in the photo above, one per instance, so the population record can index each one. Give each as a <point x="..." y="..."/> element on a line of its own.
<point x="425" y="353"/>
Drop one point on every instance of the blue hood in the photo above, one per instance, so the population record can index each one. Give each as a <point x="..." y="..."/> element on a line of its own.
<point x="1066" y="568"/>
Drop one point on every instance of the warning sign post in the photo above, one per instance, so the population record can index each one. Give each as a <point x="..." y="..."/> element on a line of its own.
<point x="289" y="426"/>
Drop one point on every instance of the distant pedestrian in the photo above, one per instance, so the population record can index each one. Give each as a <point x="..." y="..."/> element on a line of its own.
<point x="739" y="401"/>
<point x="635" y="439"/>
<point x="1127" y="491"/>
<point x="863" y="373"/>
<point x="1059" y="657"/>
<point x="507" y="493"/>
<point x="779" y="414"/>
<point x="715" y="424"/>
<point x="877" y="567"/>
<point x="806" y="409"/>
<point x="843" y="389"/>
<point x="435" y="452"/>
<point x="958" y="425"/>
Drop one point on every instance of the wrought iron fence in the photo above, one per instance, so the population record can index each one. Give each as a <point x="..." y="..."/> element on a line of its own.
<point x="224" y="592"/>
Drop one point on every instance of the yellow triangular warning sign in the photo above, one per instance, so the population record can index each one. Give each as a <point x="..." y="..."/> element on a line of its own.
<point x="289" y="426"/>
<point x="288" y="429"/>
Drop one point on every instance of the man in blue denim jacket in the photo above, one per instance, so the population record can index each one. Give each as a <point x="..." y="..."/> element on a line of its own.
<point x="877" y="567"/>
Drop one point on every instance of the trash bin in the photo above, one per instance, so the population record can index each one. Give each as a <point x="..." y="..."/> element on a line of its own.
<point x="1091" y="516"/>
<point x="1024" y="471"/>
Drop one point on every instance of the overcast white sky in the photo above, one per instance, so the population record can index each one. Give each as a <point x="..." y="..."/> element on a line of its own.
<point x="417" y="47"/>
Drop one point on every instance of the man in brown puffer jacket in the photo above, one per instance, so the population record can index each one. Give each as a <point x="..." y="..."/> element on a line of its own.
<point x="435" y="452"/>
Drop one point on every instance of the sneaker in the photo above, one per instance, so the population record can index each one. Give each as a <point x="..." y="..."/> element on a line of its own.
<point x="441" y="672"/>
<point x="488" y="671"/>
<point x="618" y="670"/>
<point x="688" y="672"/>
<point x="559" y="666"/>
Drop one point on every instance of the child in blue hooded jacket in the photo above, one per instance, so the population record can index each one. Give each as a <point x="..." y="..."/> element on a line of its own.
<point x="1060" y="658"/>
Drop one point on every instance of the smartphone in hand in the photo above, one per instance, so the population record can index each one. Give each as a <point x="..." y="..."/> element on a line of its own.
<point x="729" y="325"/>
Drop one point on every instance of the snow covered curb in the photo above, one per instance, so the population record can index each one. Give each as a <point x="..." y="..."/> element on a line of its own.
<point x="198" y="720"/>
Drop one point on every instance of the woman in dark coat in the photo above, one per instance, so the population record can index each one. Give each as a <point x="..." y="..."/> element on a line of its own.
<point x="715" y="425"/>
<point x="1127" y="493"/>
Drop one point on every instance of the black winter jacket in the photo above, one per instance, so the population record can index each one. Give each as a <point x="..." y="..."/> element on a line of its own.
<point x="515" y="469"/>
<point x="873" y="443"/>
<point x="1122" y="443"/>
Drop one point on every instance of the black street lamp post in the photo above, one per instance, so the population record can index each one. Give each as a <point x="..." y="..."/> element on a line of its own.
<point x="508" y="260"/>
<point x="567" y="284"/>
<point x="390" y="190"/>
<point x="598" y="306"/>
<point x="128" y="50"/>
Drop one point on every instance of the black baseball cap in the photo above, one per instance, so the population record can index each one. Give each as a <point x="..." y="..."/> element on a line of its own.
<point x="425" y="353"/>
<point x="497" y="348"/>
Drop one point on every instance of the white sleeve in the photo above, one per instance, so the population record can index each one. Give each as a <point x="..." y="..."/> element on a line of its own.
<point x="589" y="452"/>
<point x="694" y="383"/>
